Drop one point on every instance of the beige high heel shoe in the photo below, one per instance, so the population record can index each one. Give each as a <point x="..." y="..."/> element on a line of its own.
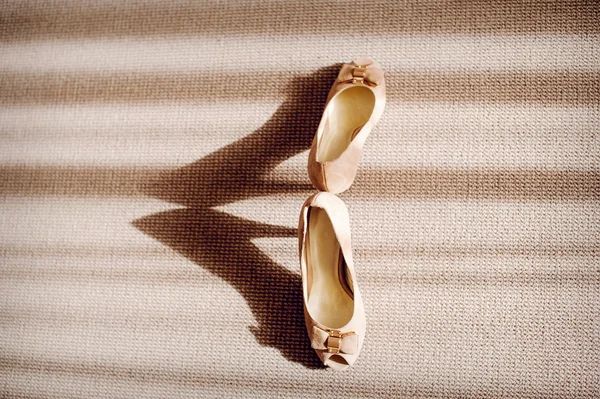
<point x="355" y="103"/>
<point x="333" y="307"/>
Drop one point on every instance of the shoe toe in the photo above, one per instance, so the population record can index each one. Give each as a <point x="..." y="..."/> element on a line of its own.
<point x="338" y="361"/>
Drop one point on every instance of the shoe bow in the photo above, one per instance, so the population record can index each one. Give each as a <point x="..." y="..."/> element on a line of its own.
<point x="334" y="341"/>
<point x="361" y="73"/>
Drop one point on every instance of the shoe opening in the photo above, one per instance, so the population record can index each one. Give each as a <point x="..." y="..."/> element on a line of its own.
<point x="337" y="362"/>
<point x="346" y="114"/>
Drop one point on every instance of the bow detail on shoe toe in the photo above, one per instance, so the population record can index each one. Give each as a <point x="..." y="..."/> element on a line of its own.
<point x="334" y="341"/>
<point x="362" y="72"/>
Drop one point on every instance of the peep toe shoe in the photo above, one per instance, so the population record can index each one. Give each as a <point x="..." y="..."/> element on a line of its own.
<point x="354" y="105"/>
<point x="333" y="307"/>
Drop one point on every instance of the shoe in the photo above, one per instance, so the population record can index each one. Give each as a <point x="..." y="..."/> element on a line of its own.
<point x="354" y="105"/>
<point x="333" y="307"/>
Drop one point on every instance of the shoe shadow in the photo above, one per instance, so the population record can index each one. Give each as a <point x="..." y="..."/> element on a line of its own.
<point x="222" y="243"/>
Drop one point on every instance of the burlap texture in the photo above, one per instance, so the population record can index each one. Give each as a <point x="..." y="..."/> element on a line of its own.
<point x="153" y="164"/>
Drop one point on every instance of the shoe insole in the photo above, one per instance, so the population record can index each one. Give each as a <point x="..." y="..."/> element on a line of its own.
<point x="346" y="114"/>
<point x="328" y="302"/>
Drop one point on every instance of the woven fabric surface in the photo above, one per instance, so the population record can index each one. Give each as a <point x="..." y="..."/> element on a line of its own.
<point x="153" y="164"/>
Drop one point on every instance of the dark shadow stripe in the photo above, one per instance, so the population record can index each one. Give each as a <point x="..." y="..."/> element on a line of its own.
<point x="78" y="182"/>
<point x="190" y="277"/>
<point x="165" y="375"/>
<point x="183" y="375"/>
<point x="551" y="88"/>
<point x="134" y="373"/>
<point x="454" y="252"/>
<point x="213" y="18"/>
<point x="530" y="185"/>
<point x="28" y="252"/>
<point x="380" y="252"/>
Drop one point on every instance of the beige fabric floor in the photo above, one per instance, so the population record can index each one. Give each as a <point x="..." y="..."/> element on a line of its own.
<point x="152" y="167"/>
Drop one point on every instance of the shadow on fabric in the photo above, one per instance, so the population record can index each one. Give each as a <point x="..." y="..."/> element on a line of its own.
<point x="222" y="243"/>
